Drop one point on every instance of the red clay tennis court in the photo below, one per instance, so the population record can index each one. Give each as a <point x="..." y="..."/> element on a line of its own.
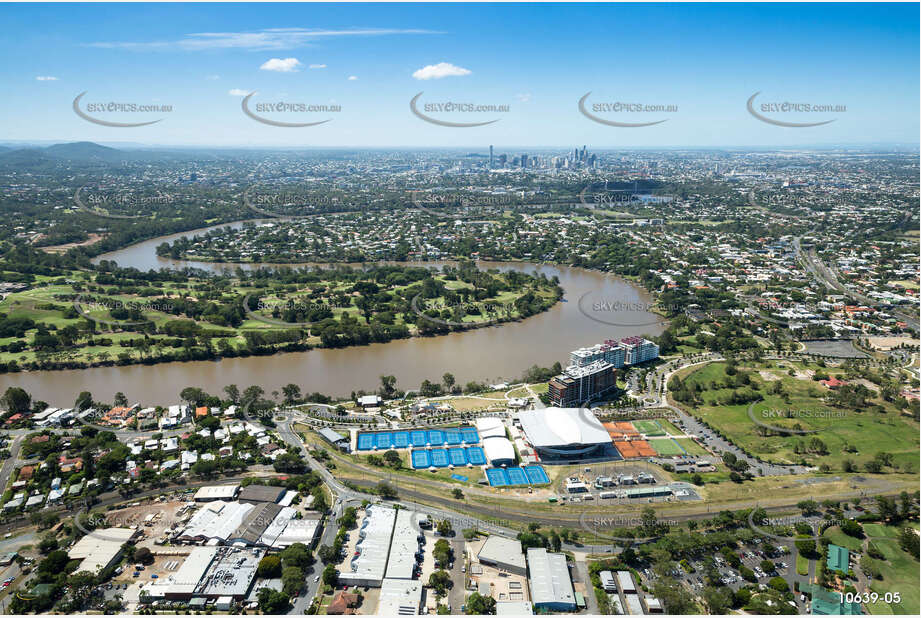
<point x="629" y="449"/>
<point x="621" y="429"/>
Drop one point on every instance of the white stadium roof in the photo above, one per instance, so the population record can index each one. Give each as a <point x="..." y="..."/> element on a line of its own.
<point x="498" y="449"/>
<point x="562" y="427"/>
<point x="489" y="426"/>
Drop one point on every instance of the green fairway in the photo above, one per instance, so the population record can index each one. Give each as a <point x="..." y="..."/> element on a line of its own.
<point x="881" y="531"/>
<point x="836" y="536"/>
<point x="899" y="573"/>
<point x="798" y="404"/>
<point x="666" y="447"/>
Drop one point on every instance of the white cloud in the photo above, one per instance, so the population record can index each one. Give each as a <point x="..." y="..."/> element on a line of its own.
<point x="442" y="69"/>
<point x="353" y="78"/>
<point x="259" y="40"/>
<point x="317" y="66"/>
<point x="523" y="97"/>
<point x="237" y="92"/>
<point x="46" y="78"/>
<point x="281" y="65"/>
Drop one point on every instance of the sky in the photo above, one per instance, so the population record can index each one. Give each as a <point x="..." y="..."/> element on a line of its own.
<point x="702" y="62"/>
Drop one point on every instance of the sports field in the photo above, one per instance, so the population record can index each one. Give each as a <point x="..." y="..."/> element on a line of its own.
<point x="666" y="447"/>
<point x="650" y="428"/>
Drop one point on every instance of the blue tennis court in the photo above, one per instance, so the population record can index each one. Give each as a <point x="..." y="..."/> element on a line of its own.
<point x="457" y="456"/>
<point x="536" y="475"/>
<point x="400" y="439"/>
<point x="439" y="457"/>
<point x="516" y="476"/>
<point x="418" y="437"/>
<point x="436" y="437"/>
<point x="421" y="459"/>
<point x="469" y="435"/>
<point x="497" y="477"/>
<point x="383" y="440"/>
<point x="365" y="441"/>
<point x="476" y="456"/>
<point x="453" y="437"/>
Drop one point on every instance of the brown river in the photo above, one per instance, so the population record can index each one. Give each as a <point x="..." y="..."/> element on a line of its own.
<point x="495" y="354"/>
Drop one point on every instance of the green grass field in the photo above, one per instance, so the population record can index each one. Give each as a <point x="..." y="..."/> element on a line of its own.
<point x="899" y="574"/>
<point x="881" y="531"/>
<point x="650" y="428"/>
<point x="691" y="447"/>
<point x="836" y="536"/>
<point x="838" y="428"/>
<point x="669" y="427"/>
<point x="666" y="447"/>
<point x="802" y="565"/>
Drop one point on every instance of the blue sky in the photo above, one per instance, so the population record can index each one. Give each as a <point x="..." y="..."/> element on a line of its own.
<point x="539" y="59"/>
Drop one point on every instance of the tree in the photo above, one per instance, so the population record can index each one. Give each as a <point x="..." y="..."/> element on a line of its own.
<point x="448" y="380"/>
<point x="292" y="579"/>
<point x="292" y="393"/>
<point x="330" y="577"/>
<point x="48" y="544"/>
<point x="779" y="584"/>
<point x="718" y="600"/>
<point x="393" y="458"/>
<point x="441" y="552"/>
<point x="143" y="555"/>
<point x="269" y="567"/>
<point x="297" y="554"/>
<point x="120" y="400"/>
<point x="388" y="384"/>
<point x="479" y="605"/>
<point x="675" y="598"/>
<point x="457" y="493"/>
<point x="15" y="400"/>
<point x="440" y="581"/>
<point x="908" y="541"/>
<point x="82" y="587"/>
<point x="767" y="566"/>
<point x="233" y="393"/>
<point x="386" y="491"/>
<point x="445" y="528"/>
<point x="271" y="601"/>
<point x="852" y="528"/>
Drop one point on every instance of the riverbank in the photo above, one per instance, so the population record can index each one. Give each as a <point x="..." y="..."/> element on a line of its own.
<point x="481" y="354"/>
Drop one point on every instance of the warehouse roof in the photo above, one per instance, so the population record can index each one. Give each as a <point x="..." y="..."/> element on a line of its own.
<point x="98" y="548"/>
<point x="501" y="550"/>
<point x="261" y="493"/>
<point x="550" y="582"/>
<point x="216" y="492"/>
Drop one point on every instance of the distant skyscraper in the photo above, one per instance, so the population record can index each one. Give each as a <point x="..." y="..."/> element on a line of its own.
<point x="490" y="156"/>
<point x="524" y="160"/>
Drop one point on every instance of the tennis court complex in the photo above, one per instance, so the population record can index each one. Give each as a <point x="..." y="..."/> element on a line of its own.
<point x="416" y="438"/>
<point x="516" y="477"/>
<point x="442" y="458"/>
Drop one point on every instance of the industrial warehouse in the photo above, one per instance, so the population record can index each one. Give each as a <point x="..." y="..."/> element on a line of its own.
<point x="221" y="574"/>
